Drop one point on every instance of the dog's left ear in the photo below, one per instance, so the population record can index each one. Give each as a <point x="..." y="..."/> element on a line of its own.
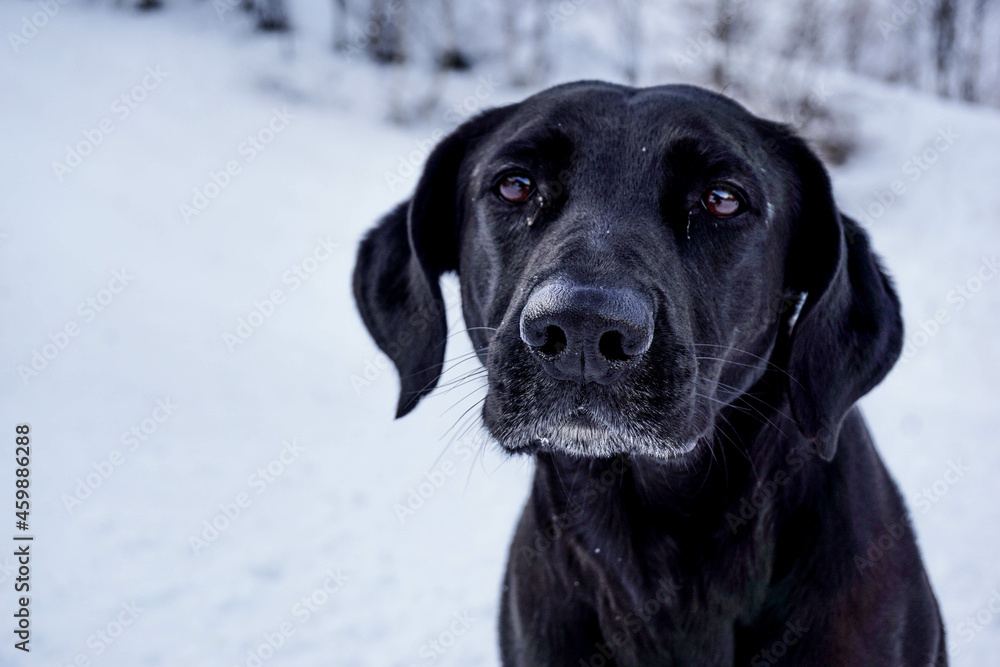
<point x="397" y="274"/>
<point x="849" y="331"/>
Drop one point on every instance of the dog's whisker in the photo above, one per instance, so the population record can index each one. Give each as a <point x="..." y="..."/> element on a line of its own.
<point x="725" y="361"/>
<point x="475" y="405"/>
<point x="739" y="445"/>
<point x="440" y="366"/>
<point x="710" y="398"/>
<point x="731" y="348"/>
<point x="470" y="422"/>
<point x="743" y="397"/>
<point x="467" y="330"/>
<point x="429" y="383"/>
<point x="462" y="402"/>
<point x="457" y="383"/>
<point x="463" y="379"/>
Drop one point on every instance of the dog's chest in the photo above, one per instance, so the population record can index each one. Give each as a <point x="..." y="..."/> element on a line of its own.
<point x="677" y="613"/>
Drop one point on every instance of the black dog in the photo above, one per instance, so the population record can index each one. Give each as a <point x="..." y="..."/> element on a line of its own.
<point x="676" y="323"/>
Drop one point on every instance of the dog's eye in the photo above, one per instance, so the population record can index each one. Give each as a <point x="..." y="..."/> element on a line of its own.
<point x="514" y="188"/>
<point x="722" y="202"/>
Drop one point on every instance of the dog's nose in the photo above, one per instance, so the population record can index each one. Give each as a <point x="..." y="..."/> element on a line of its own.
<point x="586" y="333"/>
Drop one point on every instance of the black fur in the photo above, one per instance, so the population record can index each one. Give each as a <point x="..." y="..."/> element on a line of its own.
<point x="718" y="501"/>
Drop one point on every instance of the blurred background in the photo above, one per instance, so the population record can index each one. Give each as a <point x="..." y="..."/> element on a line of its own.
<point x="216" y="475"/>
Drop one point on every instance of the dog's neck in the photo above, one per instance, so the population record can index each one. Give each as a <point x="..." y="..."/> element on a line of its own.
<point x="643" y="528"/>
<point x="667" y="493"/>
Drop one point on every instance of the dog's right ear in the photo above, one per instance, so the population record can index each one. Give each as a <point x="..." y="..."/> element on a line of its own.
<point x="400" y="262"/>
<point x="849" y="331"/>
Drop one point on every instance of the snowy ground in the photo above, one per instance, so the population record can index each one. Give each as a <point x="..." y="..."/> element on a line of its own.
<point x="135" y="303"/>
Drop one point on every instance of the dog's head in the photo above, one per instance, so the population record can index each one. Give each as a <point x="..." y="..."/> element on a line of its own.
<point x="631" y="261"/>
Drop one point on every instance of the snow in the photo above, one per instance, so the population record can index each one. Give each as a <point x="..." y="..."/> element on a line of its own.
<point x="292" y="428"/>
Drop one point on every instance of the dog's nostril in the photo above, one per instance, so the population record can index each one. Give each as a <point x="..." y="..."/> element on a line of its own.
<point x="610" y="347"/>
<point x="555" y="341"/>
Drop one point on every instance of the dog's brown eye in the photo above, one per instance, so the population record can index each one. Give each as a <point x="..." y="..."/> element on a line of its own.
<point x="722" y="202"/>
<point x="515" y="188"/>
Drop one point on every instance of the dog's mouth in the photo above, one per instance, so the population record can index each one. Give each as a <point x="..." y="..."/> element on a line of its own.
<point x="588" y="423"/>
